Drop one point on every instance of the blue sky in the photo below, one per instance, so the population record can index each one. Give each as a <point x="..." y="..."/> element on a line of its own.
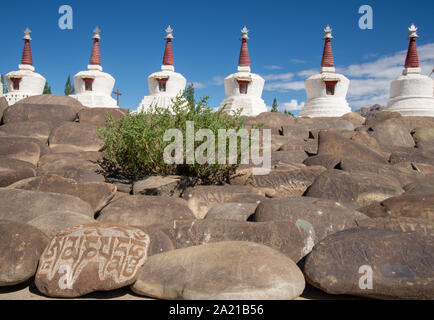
<point x="285" y="46"/>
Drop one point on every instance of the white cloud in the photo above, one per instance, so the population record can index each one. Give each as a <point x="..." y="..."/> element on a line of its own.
<point x="198" y="85"/>
<point x="297" y="61"/>
<point x="293" y="105"/>
<point x="307" y="73"/>
<point x="273" y="67"/>
<point x="217" y="80"/>
<point x="280" y="76"/>
<point x="284" y="86"/>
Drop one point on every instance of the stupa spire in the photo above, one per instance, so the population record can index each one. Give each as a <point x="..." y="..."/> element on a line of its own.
<point x="327" y="55"/>
<point x="168" y="51"/>
<point x="412" y="60"/>
<point x="95" y="56"/>
<point x="27" y="52"/>
<point x="244" y="60"/>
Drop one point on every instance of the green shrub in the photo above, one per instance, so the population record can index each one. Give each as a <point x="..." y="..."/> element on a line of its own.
<point x="134" y="146"/>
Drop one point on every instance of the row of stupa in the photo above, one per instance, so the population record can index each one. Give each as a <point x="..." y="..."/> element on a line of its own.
<point x="411" y="94"/>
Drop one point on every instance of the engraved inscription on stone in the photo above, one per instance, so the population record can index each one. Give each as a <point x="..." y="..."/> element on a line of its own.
<point x="119" y="252"/>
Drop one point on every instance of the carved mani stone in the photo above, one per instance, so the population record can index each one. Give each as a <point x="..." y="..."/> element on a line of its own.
<point x="91" y="257"/>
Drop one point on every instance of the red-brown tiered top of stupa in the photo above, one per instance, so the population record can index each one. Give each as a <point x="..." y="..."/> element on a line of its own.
<point x="168" y="51"/>
<point x="412" y="60"/>
<point x="95" y="56"/>
<point x="244" y="59"/>
<point x="27" y="52"/>
<point x="327" y="55"/>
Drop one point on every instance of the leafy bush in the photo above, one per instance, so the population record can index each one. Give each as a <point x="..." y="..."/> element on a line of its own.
<point x="134" y="144"/>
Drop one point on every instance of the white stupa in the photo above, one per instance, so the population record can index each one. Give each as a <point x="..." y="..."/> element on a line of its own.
<point x="244" y="89"/>
<point x="326" y="91"/>
<point x="24" y="82"/>
<point x="411" y="94"/>
<point x="93" y="87"/>
<point x="166" y="84"/>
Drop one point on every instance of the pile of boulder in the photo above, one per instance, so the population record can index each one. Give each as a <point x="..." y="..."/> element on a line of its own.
<point x="347" y="208"/>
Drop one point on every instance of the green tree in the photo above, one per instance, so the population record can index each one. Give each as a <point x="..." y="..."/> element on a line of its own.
<point x="47" y="89"/>
<point x="288" y="112"/>
<point x="69" y="87"/>
<point x="189" y="94"/>
<point x="274" y="106"/>
<point x="4" y="88"/>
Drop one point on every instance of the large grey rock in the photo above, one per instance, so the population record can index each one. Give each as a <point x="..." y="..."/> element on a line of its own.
<point x="97" y="116"/>
<point x="97" y="194"/>
<point x="419" y="188"/>
<point x="20" y="248"/>
<point x="162" y="185"/>
<point x="404" y="176"/>
<point x="53" y="223"/>
<point x="411" y="206"/>
<point x="12" y="170"/>
<point x="201" y="198"/>
<point x="144" y="211"/>
<point x="159" y="241"/>
<point x="362" y="137"/>
<point x="286" y="184"/>
<point x="318" y="217"/>
<point x="3" y="106"/>
<point x="401" y="224"/>
<point x="400" y="264"/>
<point x="412" y="155"/>
<point x="296" y="156"/>
<point x="35" y="129"/>
<point x="75" y="137"/>
<point x="78" y="169"/>
<point x="50" y="108"/>
<point x="330" y="142"/>
<point x="285" y="236"/>
<point x="23" y="205"/>
<point x="237" y="211"/>
<point x="328" y="161"/>
<point x="370" y="112"/>
<point x="226" y="270"/>
<point x="424" y="137"/>
<point x="20" y="149"/>
<point x="91" y="156"/>
<point x="107" y="257"/>
<point x="392" y="135"/>
<point x="359" y="188"/>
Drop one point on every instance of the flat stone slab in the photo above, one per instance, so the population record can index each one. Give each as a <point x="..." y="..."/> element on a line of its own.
<point x="20" y="248"/>
<point x="75" y="137"/>
<point x="53" y="223"/>
<point x="319" y="218"/>
<point x="220" y="271"/>
<point x="97" y="116"/>
<point x="359" y="188"/>
<point x="330" y="142"/>
<point x="399" y="264"/>
<point x="144" y="211"/>
<point x="12" y="170"/>
<point x="23" y="205"/>
<point x="97" y="194"/>
<point x="201" y="198"/>
<point x="34" y="129"/>
<point x="77" y="169"/>
<point x="410" y="206"/>
<point x="286" y="184"/>
<point x="20" y="149"/>
<point x="285" y="236"/>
